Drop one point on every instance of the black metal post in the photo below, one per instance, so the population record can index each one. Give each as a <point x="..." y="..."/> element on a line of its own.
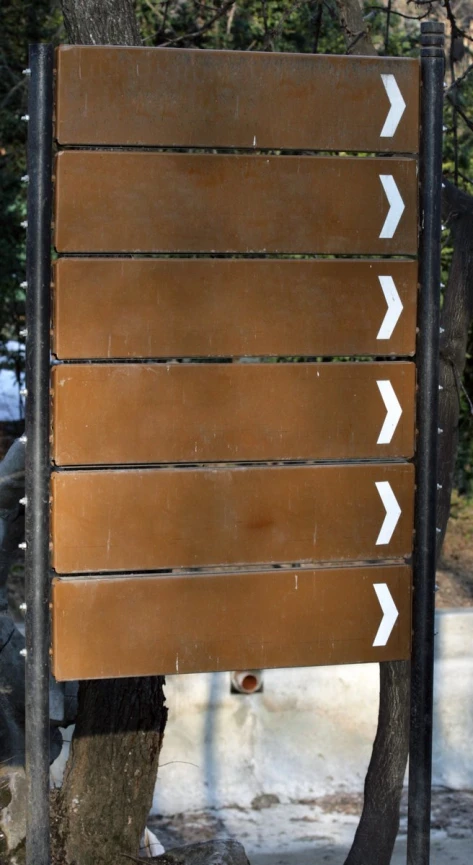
<point x="38" y="277"/>
<point x="420" y="751"/>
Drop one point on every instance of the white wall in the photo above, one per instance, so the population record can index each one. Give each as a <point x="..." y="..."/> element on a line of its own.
<point x="308" y="734"/>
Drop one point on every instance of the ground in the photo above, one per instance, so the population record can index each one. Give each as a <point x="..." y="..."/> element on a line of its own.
<point x="320" y="830"/>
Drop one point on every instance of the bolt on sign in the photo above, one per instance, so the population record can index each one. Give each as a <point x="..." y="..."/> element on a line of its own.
<point x="218" y="514"/>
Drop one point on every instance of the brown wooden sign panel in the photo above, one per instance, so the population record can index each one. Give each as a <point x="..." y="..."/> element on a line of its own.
<point x="145" y="519"/>
<point x="182" y="98"/>
<point x="129" y="413"/>
<point x="132" y="308"/>
<point x="163" y="202"/>
<point x="150" y="625"/>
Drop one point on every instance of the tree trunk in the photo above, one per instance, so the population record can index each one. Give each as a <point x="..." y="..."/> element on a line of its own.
<point x="354" y="29"/>
<point x="379" y="823"/>
<point x="108" y="786"/>
<point x="101" y="22"/>
<point x="111" y="772"/>
<point x="456" y="316"/>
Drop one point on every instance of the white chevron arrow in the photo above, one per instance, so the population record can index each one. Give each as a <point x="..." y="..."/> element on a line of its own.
<point x="393" y="512"/>
<point x="390" y="614"/>
<point x="393" y="412"/>
<point x="394" y="309"/>
<point x="396" y="206"/>
<point x="397" y="107"/>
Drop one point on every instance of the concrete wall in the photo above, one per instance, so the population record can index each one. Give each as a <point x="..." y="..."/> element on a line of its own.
<point x="308" y="734"/>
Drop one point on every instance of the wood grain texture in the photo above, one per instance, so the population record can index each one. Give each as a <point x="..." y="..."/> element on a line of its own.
<point x="163" y="202"/>
<point x="119" y="414"/>
<point x="133" y="308"/>
<point x="144" y="519"/>
<point x="150" y="625"/>
<point x="192" y="98"/>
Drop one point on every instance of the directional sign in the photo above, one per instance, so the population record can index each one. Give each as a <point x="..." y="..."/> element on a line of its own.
<point x="143" y="519"/>
<point x="182" y="98"/>
<point x="202" y="622"/>
<point x="231" y="418"/>
<point x="233" y="411"/>
<point x="163" y="202"/>
<point x="222" y="307"/>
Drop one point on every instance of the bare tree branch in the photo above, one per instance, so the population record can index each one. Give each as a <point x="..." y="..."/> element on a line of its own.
<point x="401" y="14"/>
<point x="185" y="37"/>
<point x="459" y="81"/>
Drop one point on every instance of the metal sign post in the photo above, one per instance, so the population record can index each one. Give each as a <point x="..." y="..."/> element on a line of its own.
<point x="37" y="572"/>
<point x="276" y="495"/>
<point x="422" y="662"/>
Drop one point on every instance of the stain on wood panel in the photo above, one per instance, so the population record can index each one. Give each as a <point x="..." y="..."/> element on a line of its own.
<point x="145" y="519"/>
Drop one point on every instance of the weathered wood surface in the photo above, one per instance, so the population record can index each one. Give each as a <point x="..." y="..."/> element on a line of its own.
<point x="126" y="201"/>
<point x="133" y="308"/>
<point x="145" y="625"/>
<point x="186" y="98"/>
<point x="112" y="414"/>
<point x="144" y="519"/>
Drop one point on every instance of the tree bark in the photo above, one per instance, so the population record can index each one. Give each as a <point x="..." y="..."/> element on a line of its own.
<point x="101" y="22"/>
<point x="456" y="316"/>
<point x="111" y="772"/>
<point x="379" y="823"/>
<point x="355" y="32"/>
<point x="108" y="786"/>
